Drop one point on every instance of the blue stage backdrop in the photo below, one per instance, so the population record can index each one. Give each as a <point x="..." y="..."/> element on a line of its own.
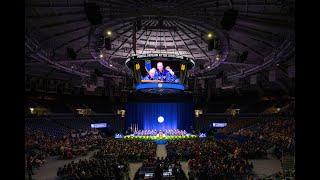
<point x="145" y="115"/>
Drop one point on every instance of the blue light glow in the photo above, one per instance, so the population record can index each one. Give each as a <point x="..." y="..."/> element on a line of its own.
<point x="159" y="86"/>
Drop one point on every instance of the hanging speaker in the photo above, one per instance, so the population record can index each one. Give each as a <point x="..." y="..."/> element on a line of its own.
<point x="229" y="19"/>
<point x="211" y="44"/>
<point x="139" y="25"/>
<point x="107" y="43"/>
<point x="219" y="83"/>
<point x="243" y="56"/>
<point x="253" y="79"/>
<point x="93" y="13"/>
<point x="71" y="53"/>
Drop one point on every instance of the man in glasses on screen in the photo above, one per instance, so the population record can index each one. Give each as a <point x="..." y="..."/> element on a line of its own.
<point x="161" y="73"/>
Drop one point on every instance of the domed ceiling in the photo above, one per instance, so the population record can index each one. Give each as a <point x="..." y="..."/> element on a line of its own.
<point x="263" y="33"/>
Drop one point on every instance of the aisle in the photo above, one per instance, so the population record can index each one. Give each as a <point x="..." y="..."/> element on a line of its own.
<point x="266" y="167"/>
<point x="133" y="168"/>
<point x="161" y="151"/>
<point x="185" y="168"/>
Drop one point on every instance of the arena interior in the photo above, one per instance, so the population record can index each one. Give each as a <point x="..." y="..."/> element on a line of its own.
<point x="159" y="89"/>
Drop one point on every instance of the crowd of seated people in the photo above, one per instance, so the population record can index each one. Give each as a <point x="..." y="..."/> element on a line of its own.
<point x="128" y="149"/>
<point x="95" y="168"/>
<point x="278" y="133"/>
<point x="65" y="147"/>
<point x="46" y="125"/>
<point x="110" y="161"/>
<point x="208" y="159"/>
<point x="211" y="159"/>
<point x="167" y="132"/>
<point x="39" y="145"/>
<point x="161" y="168"/>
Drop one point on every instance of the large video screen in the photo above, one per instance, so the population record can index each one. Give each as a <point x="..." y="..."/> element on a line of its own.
<point x="159" y="74"/>
<point x="160" y="71"/>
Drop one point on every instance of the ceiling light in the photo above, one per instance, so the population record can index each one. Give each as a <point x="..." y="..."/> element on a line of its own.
<point x="208" y="67"/>
<point x="101" y="55"/>
<point x="209" y="35"/>
<point x="109" y="33"/>
<point x="110" y="65"/>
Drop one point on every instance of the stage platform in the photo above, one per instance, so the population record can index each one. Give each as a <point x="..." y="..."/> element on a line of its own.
<point x="158" y="138"/>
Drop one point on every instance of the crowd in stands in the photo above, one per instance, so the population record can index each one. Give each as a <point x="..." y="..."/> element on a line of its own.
<point x="130" y="150"/>
<point x="95" y="168"/>
<point x="110" y="161"/>
<point x="278" y="133"/>
<point x="211" y="159"/>
<point x="46" y="125"/>
<point x="228" y="157"/>
<point x="208" y="159"/>
<point x="39" y="145"/>
<point x="66" y="147"/>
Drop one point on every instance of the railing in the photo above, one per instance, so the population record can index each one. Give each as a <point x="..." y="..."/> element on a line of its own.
<point x="39" y="53"/>
<point x="284" y="50"/>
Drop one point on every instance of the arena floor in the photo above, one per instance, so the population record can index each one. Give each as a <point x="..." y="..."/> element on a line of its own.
<point x="49" y="169"/>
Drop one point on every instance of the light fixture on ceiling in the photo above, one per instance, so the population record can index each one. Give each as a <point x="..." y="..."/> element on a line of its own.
<point x="217" y="57"/>
<point x="109" y="33"/>
<point x="110" y="65"/>
<point x="210" y="35"/>
<point x="208" y="67"/>
<point x="101" y="55"/>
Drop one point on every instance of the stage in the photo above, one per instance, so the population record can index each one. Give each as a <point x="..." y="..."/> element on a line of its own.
<point x="170" y="134"/>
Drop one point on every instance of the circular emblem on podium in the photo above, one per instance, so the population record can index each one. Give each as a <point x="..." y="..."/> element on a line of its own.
<point x="160" y="85"/>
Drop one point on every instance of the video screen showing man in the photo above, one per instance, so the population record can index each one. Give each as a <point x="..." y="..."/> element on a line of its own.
<point x="160" y="74"/>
